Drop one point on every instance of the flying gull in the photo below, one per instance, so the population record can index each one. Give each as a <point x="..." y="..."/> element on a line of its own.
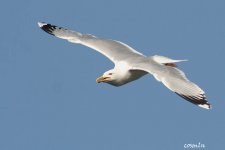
<point x="131" y="65"/>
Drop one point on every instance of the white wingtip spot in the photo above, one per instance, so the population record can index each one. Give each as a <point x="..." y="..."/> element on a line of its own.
<point x="206" y="106"/>
<point x="41" y="24"/>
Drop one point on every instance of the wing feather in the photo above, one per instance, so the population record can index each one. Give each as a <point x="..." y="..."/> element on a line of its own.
<point x="175" y="80"/>
<point x="114" y="50"/>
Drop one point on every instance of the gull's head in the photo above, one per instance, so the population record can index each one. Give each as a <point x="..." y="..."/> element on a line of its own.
<point x="107" y="77"/>
<point x="117" y="76"/>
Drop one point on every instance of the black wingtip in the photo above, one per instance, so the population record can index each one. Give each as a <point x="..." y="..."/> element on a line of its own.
<point x="47" y="27"/>
<point x="200" y="100"/>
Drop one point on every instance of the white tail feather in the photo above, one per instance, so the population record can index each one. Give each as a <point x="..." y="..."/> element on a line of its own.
<point x="165" y="60"/>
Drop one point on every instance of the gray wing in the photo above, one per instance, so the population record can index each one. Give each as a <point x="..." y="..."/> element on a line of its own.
<point x="176" y="81"/>
<point x="114" y="50"/>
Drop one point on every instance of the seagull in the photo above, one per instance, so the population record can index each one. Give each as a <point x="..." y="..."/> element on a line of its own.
<point x="130" y="65"/>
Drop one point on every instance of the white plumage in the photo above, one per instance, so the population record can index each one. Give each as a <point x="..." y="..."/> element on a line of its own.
<point x="131" y="65"/>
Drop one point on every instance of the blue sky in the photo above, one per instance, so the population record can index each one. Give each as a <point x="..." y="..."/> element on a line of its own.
<point x="49" y="98"/>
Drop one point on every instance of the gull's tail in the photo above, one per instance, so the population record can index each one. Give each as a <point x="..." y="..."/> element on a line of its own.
<point x="165" y="60"/>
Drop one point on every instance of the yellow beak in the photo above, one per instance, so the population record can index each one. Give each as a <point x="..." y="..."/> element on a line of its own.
<point x="102" y="79"/>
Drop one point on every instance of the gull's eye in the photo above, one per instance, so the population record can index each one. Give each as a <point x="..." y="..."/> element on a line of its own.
<point x="110" y="74"/>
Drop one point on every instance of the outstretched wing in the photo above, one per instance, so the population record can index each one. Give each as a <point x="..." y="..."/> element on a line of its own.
<point x="176" y="81"/>
<point x="114" y="50"/>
